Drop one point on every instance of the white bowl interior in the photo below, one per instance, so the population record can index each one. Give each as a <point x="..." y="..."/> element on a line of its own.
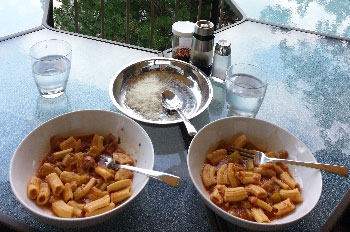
<point x="31" y="151"/>
<point x="264" y="135"/>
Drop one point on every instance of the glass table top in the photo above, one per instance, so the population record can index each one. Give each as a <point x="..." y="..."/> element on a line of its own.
<point x="19" y="15"/>
<point x="324" y="16"/>
<point x="308" y="95"/>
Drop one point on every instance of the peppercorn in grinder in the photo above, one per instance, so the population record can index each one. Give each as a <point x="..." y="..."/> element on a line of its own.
<point x="202" y="46"/>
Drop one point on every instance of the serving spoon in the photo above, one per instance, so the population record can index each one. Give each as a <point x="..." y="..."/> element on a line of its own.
<point x="162" y="176"/>
<point x="172" y="102"/>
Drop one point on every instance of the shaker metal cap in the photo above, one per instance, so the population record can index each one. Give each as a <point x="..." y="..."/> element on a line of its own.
<point x="204" y="28"/>
<point x="223" y="48"/>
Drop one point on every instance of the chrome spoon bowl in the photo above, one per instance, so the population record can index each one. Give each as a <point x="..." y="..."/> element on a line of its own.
<point x="172" y="102"/>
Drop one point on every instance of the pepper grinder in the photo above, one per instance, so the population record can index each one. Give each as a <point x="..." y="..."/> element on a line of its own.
<point x="202" y="46"/>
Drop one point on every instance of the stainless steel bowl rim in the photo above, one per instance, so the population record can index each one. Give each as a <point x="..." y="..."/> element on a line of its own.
<point x="121" y="109"/>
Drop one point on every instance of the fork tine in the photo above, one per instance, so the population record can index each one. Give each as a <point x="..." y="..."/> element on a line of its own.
<point x="243" y="152"/>
<point x="246" y="155"/>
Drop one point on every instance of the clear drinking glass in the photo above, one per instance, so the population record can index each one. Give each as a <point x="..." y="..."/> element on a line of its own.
<point x="245" y="89"/>
<point x="51" y="63"/>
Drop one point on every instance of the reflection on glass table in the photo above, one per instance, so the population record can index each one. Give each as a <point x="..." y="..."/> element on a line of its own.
<point x="18" y="15"/>
<point x="324" y="16"/>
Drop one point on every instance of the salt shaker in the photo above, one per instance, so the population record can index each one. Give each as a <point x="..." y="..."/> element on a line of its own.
<point x="222" y="60"/>
<point x="202" y="46"/>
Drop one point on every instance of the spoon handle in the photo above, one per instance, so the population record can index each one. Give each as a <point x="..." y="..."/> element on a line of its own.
<point x="190" y="128"/>
<point x="165" y="177"/>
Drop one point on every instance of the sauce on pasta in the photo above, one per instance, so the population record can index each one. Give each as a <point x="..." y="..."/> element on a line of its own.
<point x="73" y="182"/>
<point x="244" y="190"/>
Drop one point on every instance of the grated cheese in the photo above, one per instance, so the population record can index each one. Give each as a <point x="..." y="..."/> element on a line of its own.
<point x="144" y="93"/>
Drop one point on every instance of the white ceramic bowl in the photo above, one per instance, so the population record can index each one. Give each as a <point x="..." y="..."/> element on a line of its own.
<point x="264" y="135"/>
<point x="33" y="148"/>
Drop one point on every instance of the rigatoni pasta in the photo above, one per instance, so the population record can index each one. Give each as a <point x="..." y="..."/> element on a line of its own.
<point x="72" y="182"/>
<point x="260" y="194"/>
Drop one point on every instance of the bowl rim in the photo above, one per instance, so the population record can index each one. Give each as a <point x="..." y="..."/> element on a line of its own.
<point x="53" y="218"/>
<point x="121" y="109"/>
<point x="241" y="222"/>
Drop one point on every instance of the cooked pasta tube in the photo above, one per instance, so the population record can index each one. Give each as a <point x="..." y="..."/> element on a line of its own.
<point x="231" y="174"/>
<point x="284" y="207"/>
<point x="77" y="146"/>
<point x="221" y="176"/>
<point x="55" y="183"/>
<point x="281" y="183"/>
<point x="81" y="192"/>
<point x="286" y="178"/>
<point x="259" y="215"/>
<point x="104" y="173"/>
<point x="235" y="194"/>
<point x="68" y="143"/>
<point x="97" y="144"/>
<point x="46" y="169"/>
<point x="97" y="204"/>
<point x="293" y="194"/>
<point x="208" y="175"/>
<point x="67" y="193"/>
<point x="260" y="203"/>
<point x="61" y="154"/>
<point x="33" y="187"/>
<point x="119" y="185"/>
<point x="62" y="210"/>
<point x="101" y="210"/>
<point x="79" y="160"/>
<point x="104" y="185"/>
<point x="256" y="190"/>
<point x="122" y="158"/>
<point x="44" y="194"/>
<point x="76" y="204"/>
<point x="265" y="171"/>
<point x="95" y="194"/>
<point x="216" y="156"/>
<point x="68" y="177"/>
<point x="66" y="160"/>
<point x="216" y="195"/>
<point x="240" y="141"/>
<point x="77" y="210"/>
<point x="58" y="171"/>
<point x="123" y="174"/>
<point x="121" y="195"/>
<point x="277" y="168"/>
<point x="248" y="177"/>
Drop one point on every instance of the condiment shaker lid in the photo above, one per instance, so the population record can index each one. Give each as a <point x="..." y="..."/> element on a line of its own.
<point x="183" y="29"/>
<point x="204" y="28"/>
<point x="223" y="48"/>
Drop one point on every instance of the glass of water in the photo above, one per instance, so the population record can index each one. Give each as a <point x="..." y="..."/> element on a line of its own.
<point x="51" y="63"/>
<point x="245" y="89"/>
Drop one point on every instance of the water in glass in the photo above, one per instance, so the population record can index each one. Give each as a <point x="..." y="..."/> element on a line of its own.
<point x="51" y="75"/>
<point x="244" y="95"/>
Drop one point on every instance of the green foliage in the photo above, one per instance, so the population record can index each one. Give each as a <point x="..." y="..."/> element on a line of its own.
<point x="89" y="18"/>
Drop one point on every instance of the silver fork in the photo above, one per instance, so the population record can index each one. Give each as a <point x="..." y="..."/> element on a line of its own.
<point x="162" y="176"/>
<point x="260" y="158"/>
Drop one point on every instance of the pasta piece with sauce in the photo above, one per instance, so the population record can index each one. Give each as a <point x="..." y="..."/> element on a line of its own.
<point x="216" y="156"/>
<point x="261" y="194"/>
<point x="284" y="207"/>
<point x="208" y="175"/>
